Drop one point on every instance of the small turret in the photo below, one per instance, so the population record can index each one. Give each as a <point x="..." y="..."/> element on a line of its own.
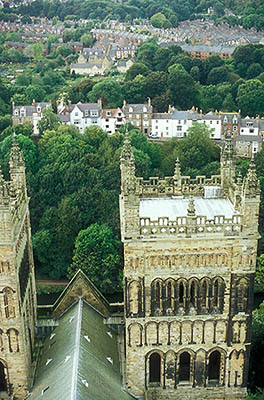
<point x="127" y="165"/>
<point x="177" y="177"/>
<point x="17" y="165"/>
<point x="228" y="161"/>
<point x="251" y="186"/>
<point x="191" y="208"/>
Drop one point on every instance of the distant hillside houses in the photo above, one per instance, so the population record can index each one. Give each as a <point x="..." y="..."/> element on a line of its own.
<point x="98" y="59"/>
<point x="247" y="133"/>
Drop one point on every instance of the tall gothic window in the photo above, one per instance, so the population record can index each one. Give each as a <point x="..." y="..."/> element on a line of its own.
<point x="214" y="367"/>
<point x="184" y="367"/>
<point x="204" y="294"/>
<point x="181" y="293"/>
<point x="154" y="368"/>
<point x="193" y="294"/>
<point x="8" y="303"/>
<point x="13" y="342"/>
<point x="242" y="295"/>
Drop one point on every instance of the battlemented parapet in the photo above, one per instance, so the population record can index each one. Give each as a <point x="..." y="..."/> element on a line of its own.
<point x="190" y="253"/>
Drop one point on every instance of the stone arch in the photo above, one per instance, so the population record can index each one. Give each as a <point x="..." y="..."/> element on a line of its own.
<point x="220" y="331"/>
<point x="186" y="332"/>
<point x="205" y="294"/>
<point x="242" y="287"/>
<point x="9" y="302"/>
<point x="156" y="296"/>
<point x="13" y="340"/>
<point x="200" y="361"/>
<point x="163" y="332"/>
<point x="135" y="334"/>
<point x="152" y="333"/>
<point x="217" y="294"/>
<point x="185" y="360"/>
<point x="209" y="329"/>
<point x="237" y="359"/>
<point x="216" y="360"/>
<point x="175" y="332"/>
<point x="154" y="368"/>
<point x="198" y="334"/>
<point x="182" y="289"/>
<point x="193" y="292"/>
<point x="168" y="302"/>
<point x="134" y="289"/>
<point x="170" y="369"/>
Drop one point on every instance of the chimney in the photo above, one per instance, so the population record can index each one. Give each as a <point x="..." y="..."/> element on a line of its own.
<point x="33" y="102"/>
<point x="149" y="101"/>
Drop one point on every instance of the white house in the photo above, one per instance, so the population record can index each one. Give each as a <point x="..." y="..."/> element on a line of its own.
<point x="112" y="119"/>
<point x="84" y="115"/>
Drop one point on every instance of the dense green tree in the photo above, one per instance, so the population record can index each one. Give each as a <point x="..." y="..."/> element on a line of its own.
<point x="136" y="69"/>
<point x="182" y="87"/>
<point x="97" y="255"/>
<point x="250" y="97"/>
<point x="48" y="121"/>
<point x="109" y="91"/>
<point x="217" y="75"/>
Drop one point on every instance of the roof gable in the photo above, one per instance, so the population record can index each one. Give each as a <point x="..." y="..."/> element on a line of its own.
<point x="80" y="286"/>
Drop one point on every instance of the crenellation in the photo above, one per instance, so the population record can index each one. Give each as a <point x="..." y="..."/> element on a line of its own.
<point x="190" y="255"/>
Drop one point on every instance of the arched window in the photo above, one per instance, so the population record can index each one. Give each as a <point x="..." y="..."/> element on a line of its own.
<point x="204" y="294"/>
<point x="169" y="303"/>
<point x="193" y="293"/>
<point x="133" y="298"/>
<point x="216" y="294"/>
<point x="3" y="381"/>
<point x="184" y="367"/>
<point x="154" y="368"/>
<point x="13" y="342"/>
<point x="181" y="293"/>
<point x="214" y="367"/>
<point x="242" y="295"/>
<point x="8" y="303"/>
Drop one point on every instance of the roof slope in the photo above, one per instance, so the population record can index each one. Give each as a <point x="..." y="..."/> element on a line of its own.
<point x="85" y="361"/>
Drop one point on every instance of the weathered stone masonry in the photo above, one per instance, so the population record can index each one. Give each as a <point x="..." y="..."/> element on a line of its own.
<point x="17" y="281"/>
<point x="190" y="253"/>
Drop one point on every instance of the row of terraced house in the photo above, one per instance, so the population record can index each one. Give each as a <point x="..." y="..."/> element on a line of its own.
<point x="247" y="132"/>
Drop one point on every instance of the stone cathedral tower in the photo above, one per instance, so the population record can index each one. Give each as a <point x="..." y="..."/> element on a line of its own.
<point x="190" y="253"/>
<point x="17" y="282"/>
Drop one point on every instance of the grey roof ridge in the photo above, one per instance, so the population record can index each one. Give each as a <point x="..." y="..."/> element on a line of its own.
<point x="77" y="351"/>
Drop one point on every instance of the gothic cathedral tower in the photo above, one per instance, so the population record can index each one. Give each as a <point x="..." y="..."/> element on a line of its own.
<point x="17" y="282"/>
<point x="190" y="254"/>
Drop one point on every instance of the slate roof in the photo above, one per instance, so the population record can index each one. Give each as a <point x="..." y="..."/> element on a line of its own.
<point x="249" y="138"/>
<point x="79" y="360"/>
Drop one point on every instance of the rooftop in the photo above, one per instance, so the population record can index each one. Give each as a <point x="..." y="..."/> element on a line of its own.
<point x="177" y="207"/>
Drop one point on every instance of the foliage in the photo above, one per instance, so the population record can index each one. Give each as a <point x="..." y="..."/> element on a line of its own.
<point x="257" y="351"/>
<point x="49" y="121"/>
<point x="97" y="255"/>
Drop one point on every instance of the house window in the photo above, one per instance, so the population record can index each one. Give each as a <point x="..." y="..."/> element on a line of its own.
<point x="107" y="120"/>
<point x="86" y="113"/>
<point x="94" y="113"/>
<point x="108" y="113"/>
<point x="251" y="130"/>
<point x="179" y="128"/>
<point x="94" y="122"/>
<point x="234" y="128"/>
<point x="107" y="126"/>
<point x="138" y="116"/>
<point x="76" y="114"/>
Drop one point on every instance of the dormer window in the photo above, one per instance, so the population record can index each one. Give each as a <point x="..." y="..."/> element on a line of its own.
<point x="131" y="109"/>
<point x="39" y="109"/>
<point x="225" y="119"/>
<point x="16" y="112"/>
<point x="86" y="113"/>
<point x="94" y="113"/>
<point x="108" y="113"/>
<point x="145" y="109"/>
